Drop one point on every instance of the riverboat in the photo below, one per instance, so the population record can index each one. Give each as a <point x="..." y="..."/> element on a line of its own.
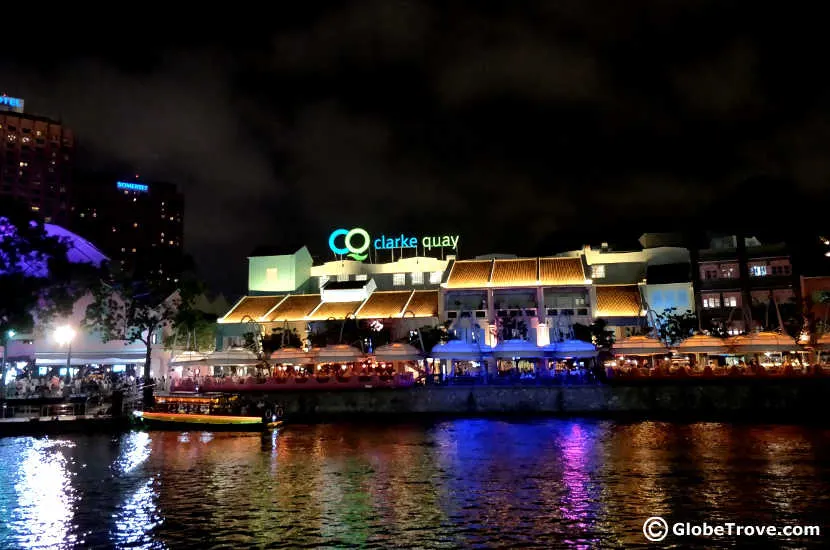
<point x="205" y="412"/>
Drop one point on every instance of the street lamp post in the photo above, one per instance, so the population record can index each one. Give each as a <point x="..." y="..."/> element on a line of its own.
<point x="10" y="334"/>
<point x="63" y="336"/>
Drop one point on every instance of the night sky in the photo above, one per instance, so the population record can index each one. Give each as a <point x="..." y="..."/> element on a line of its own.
<point x="527" y="127"/>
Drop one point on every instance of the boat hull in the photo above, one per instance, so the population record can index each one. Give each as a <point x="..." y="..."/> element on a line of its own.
<point x="204" y="422"/>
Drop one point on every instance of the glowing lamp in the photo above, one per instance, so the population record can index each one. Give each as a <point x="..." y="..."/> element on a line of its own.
<point x="64" y="335"/>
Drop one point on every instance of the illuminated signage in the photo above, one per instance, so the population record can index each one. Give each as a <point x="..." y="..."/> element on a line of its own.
<point x="13" y="103"/>
<point x="128" y="186"/>
<point x="356" y="242"/>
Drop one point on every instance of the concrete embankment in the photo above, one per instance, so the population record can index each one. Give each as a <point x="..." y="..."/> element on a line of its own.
<point x="804" y="400"/>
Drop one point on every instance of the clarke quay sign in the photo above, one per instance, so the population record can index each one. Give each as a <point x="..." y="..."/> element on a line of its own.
<point x="355" y="243"/>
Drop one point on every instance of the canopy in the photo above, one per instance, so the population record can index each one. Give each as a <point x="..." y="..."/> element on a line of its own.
<point x="823" y="342"/>
<point x="763" y="342"/>
<point x="339" y="353"/>
<point x="703" y="343"/>
<point x="517" y="348"/>
<point x="91" y="358"/>
<point x="639" y="345"/>
<point x="397" y="352"/>
<point x="232" y="357"/>
<point x="187" y="358"/>
<point x="294" y="356"/>
<point x="571" y="348"/>
<point x="459" y="349"/>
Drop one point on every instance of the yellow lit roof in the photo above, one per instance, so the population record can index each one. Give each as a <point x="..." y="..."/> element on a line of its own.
<point x="424" y="303"/>
<point x="618" y="301"/>
<point x="251" y="306"/>
<point x="561" y="271"/>
<point x="470" y="273"/>
<point x="383" y="305"/>
<point x="294" y="308"/>
<point x="336" y="310"/>
<point x="515" y="272"/>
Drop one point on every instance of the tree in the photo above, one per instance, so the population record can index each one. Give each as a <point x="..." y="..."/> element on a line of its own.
<point x="195" y="329"/>
<point x="128" y="306"/>
<point x="673" y="327"/>
<point x="596" y="333"/>
<point x="37" y="279"/>
<point x="281" y="337"/>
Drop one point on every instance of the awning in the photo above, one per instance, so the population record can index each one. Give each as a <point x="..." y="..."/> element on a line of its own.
<point x="639" y="345"/>
<point x="763" y="342"/>
<point x="702" y="343"/>
<point x="294" y="356"/>
<point x="232" y="357"/>
<point x="517" y="348"/>
<point x="90" y="358"/>
<point x="571" y="348"/>
<point x="340" y="353"/>
<point x="397" y="352"/>
<point x="459" y="349"/>
<point x="188" y="358"/>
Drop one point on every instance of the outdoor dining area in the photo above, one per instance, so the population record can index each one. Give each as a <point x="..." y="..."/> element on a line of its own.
<point x="336" y="367"/>
<point x="768" y="355"/>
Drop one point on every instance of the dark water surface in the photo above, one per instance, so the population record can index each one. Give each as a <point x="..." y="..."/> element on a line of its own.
<point x="459" y="483"/>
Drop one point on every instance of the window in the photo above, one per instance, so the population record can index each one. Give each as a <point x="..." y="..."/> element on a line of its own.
<point x="361" y="277"/>
<point x="342" y="277"/>
<point x="712" y="301"/>
<point x="398" y="279"/>
<point x="730" y="301"/>
<point x="271" y="275"/>
<point x="729" y="271"/>
<point x="579" y="301"/>
<point x="758" y="270"/>
<point x="417" y="278"/>
<point x="435" y="277"/>
<point x="597" y="271"/>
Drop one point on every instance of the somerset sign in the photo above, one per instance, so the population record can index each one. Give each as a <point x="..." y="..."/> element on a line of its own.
<point x="355" y="243"/>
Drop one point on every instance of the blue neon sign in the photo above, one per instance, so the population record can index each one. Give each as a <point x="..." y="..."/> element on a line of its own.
<point x="13" y="102"/>
<point x="128" y="186"/>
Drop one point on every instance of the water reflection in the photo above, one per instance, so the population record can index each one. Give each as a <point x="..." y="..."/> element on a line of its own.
<point x="45" y="496"/>
<point x="462" y="483"/>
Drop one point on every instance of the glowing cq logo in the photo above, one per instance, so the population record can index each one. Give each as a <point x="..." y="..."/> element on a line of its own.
<point x="350" y="249"/>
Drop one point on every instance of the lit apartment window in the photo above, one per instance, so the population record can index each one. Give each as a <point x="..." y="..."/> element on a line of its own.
<point x="417" y="278"/>
<point x="361" y="277"/>
<point x="730" y="301"/>
<point x="597" y="271"/>
<point x="758" y="270"/>
<point x="398" y="279"/>
<point x="710" y="302"/>
<point x="342" y="277"/>
<point x="579" y="302"/>
<point x="435" y="277"/>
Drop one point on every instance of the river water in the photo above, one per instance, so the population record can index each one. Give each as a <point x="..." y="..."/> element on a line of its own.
<point x="448" y="484"/>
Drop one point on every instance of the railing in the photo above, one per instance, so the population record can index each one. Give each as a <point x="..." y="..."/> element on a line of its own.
<point x="718" y="373"/>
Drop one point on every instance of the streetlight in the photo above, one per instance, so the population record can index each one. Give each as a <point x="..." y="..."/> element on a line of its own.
<point x="10" y="334"/>
<point x="64" y="335"/>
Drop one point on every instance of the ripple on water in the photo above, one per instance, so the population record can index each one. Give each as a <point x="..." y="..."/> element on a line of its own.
<point x="463" y="483"/>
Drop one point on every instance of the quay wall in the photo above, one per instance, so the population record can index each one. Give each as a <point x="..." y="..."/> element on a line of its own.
<point x="806" y="400"/>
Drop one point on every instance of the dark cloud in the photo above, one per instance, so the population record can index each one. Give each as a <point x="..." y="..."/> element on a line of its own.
<point x="508" y="123"/>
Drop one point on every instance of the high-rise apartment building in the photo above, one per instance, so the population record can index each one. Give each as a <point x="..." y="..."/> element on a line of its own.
<point x="36" y="161"/>
<point x="133" y="221"/>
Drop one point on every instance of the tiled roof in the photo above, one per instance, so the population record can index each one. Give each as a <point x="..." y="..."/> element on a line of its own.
<point x="295" y="307"/>
<point x="251" y="306"/>
<point x="382" y="305"/>
<point x="515" y="272"/>
<point x="469" y="273"/>
<point x="618" y="301"/>
<point x="336" y="310"/>
<point x="561" y="271"/>
<point x="424" y="303"/>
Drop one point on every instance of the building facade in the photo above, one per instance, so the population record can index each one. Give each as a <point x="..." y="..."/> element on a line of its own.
<point x="36" y="161"/>
<point x="132" y="220"/>
<point x="744" y="284"/>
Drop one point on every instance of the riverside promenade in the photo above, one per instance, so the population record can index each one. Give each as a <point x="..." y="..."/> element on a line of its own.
<point x="796" y="400"/>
